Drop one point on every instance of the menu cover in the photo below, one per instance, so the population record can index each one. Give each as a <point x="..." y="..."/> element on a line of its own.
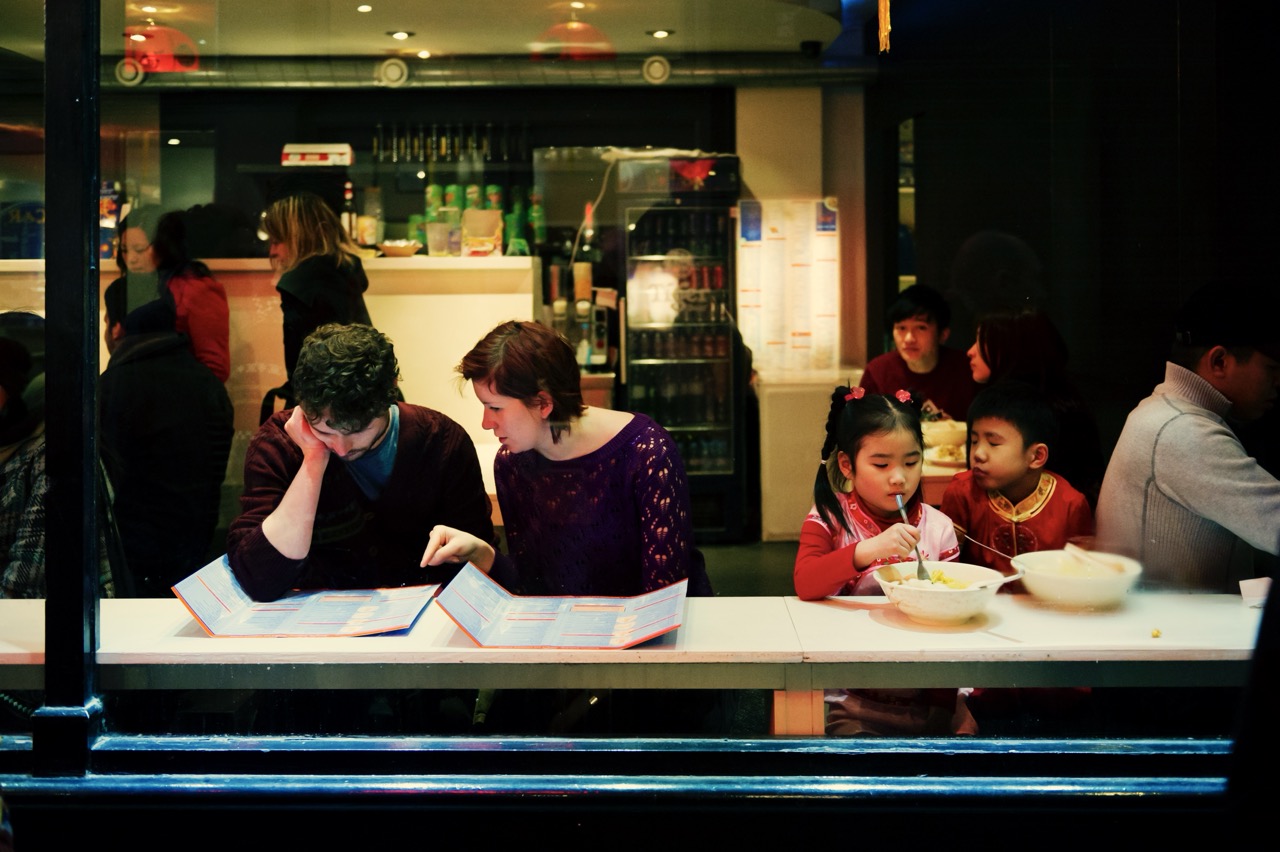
<point x="214" y="597"/>
<point x="494" y="618"/>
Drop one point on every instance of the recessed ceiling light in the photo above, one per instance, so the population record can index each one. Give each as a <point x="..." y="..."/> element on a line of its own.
<point x="424" y="54"/>
<point x="660" y="33"/>
<point x="150" y="10"/>
<point x="364" y="7"/>
<point x="138" y="37"/>
<point x="577" y="4"/>
<point x="400" y="35"/>
<point x="174" y="140"/>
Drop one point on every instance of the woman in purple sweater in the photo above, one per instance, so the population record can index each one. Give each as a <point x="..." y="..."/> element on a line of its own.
<point x="594" y="501"/>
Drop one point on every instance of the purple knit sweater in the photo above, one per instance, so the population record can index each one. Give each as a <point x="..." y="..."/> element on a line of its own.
<point x="613" y="522"/>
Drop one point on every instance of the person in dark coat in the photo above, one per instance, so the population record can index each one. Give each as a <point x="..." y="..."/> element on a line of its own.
<point x="166" y="429"/>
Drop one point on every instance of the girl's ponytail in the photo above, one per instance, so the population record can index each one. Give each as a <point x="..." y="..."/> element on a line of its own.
<point x="829" y="478"/>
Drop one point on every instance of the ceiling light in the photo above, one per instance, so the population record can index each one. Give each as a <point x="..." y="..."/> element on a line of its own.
<point x="174" y="140"/>
<point x="400" y="35"/>
<point x="577" y="5"/>
<point x="572" y="39"/>
<point x="424" y="54"/>
<point x="137" y="37"/>
<point x="660" y="33"/>
<point x="150" y="10"/>
<point x="364" y="7"/>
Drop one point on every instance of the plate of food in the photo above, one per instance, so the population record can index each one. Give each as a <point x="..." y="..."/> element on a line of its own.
<point x="947" y="455"/>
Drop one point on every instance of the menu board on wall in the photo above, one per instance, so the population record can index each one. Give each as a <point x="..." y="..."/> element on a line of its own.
<point x="789" y="286"/>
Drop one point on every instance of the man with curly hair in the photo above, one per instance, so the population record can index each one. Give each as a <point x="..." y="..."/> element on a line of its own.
<point x="343" y="490"/>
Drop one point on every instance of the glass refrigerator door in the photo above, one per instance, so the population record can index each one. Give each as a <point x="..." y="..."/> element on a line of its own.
<point x="680" y="329"/>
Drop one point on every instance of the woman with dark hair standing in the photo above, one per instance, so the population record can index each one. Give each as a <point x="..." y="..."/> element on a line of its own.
<point x="155" y="244"/>
<point x="594" y="501"/>
<point x="1026" y="346"/>
<point x="321" y="277"/>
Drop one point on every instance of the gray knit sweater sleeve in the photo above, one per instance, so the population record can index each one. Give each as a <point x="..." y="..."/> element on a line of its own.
<point x="1180" y="489"/>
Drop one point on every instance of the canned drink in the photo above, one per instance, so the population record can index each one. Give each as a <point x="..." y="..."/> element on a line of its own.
<point x="453" y="196"/>
<point x="493" y="197"/>
<point x="434" y="198"/>
<point x="474" y="198"/>
<point x="418" y="228"/>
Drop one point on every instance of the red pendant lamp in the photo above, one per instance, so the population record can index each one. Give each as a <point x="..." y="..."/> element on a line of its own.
<point x="573" y="39"/>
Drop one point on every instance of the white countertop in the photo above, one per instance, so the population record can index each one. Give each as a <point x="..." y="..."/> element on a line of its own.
<point x="1017" y="628"/>
<point x="1209" y="636"/>
<point x="716" y="630"/>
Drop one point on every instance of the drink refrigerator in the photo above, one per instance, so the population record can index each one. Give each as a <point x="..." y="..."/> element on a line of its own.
<point x="668" y="236"/>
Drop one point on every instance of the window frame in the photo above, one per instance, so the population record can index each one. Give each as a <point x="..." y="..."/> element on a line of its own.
<point x="761" y="781"/>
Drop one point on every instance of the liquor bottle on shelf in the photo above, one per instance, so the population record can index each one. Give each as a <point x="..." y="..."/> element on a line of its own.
<point x="537" y="218"/>
<point x="350" y="219"/>
<point x="462" y="158"/>
<point x="459" y="143"/>
<point x="379" y="153"/>
<point x="446" y="144"/>
<point x="588" y="254"/>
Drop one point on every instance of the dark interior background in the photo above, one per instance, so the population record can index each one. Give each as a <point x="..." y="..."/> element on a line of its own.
<point x="1124" y="142"/>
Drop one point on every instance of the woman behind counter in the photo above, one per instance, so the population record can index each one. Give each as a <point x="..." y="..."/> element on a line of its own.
<point x="156" y="245"/>
<point x="321" y="277"/>
<point x="594" y="501"/>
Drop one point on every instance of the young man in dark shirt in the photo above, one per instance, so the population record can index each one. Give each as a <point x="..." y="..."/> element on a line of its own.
<point x="937" y="376"/>
<point x="343" y="490"/>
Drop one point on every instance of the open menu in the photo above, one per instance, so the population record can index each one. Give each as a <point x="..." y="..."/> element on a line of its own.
<point x="215" y="599"/>
<point x="493" y="617"/>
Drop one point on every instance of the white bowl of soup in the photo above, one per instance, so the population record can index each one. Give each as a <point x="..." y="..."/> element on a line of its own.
<point x="955" y="592"/>
<point x="1075" y="580"/>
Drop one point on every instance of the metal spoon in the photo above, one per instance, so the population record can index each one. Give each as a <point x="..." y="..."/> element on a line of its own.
<point x="921" y="573"/>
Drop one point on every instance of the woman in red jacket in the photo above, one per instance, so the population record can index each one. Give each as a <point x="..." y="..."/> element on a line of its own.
<point x="152" y="244"/>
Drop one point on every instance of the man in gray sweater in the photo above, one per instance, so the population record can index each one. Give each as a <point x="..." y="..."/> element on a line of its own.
<point x="1181" y="490"/>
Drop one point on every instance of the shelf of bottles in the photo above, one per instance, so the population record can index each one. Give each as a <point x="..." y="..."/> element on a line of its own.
<point x="680" y="329"/>
<point x="455" y="166"/>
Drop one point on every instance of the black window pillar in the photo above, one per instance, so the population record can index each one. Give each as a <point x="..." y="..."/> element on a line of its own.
<point x="64" y="727"/>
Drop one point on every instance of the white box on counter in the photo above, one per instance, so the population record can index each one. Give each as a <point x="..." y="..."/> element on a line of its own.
<point x="315" y="154"/>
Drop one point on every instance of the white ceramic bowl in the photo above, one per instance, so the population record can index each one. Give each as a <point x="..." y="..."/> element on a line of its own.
<point x="400" y="248"/>
<point x="945" y="433"/>
<point x="1061" y="578"/>
<point x="936" y="603"/>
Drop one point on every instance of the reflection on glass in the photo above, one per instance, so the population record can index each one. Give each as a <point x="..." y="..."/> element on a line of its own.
<point x="141" y="168"/>
<point x="906" y="204"/>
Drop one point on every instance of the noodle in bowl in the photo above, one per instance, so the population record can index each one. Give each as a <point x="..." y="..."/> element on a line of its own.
<point x="925" y="602"/>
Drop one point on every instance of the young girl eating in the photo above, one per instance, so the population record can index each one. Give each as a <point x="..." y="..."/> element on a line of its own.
<point x="872" y="455"/>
